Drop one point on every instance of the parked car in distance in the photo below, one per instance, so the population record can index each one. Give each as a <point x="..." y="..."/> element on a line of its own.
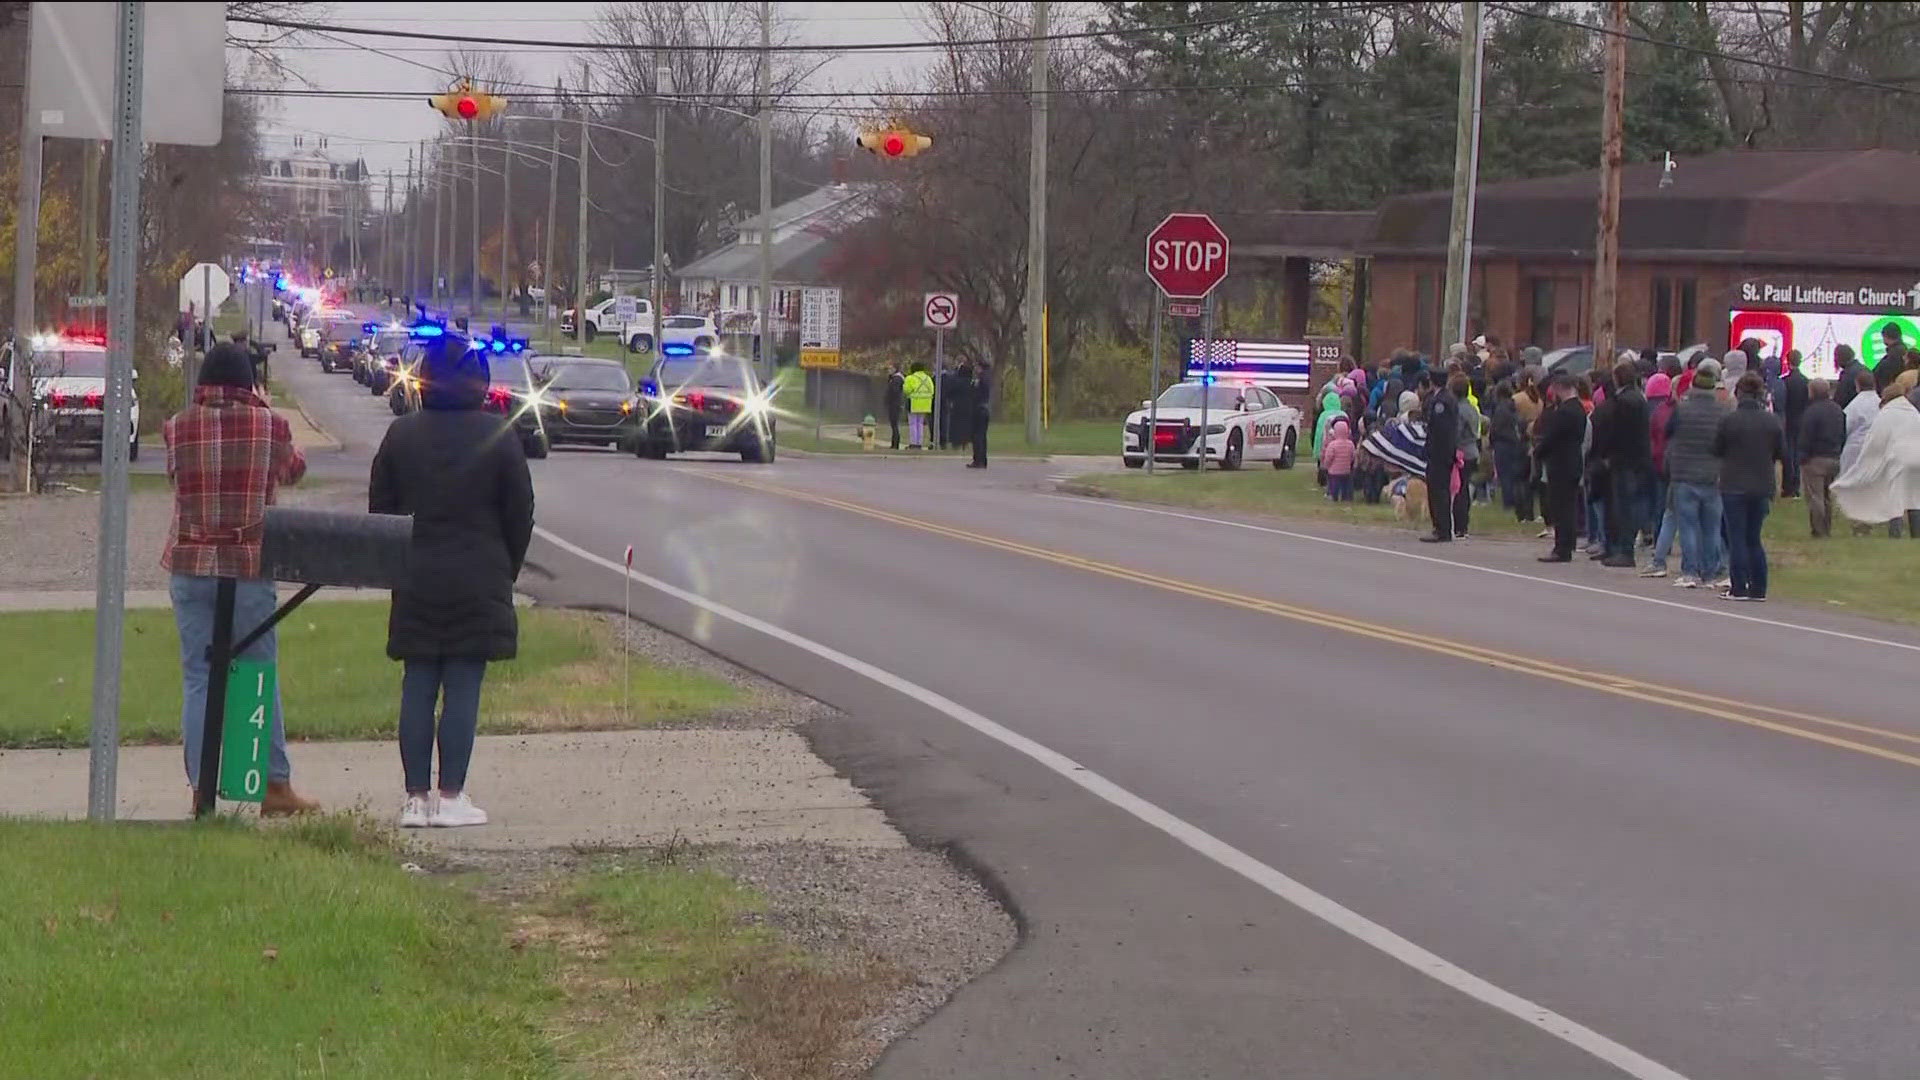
<point x="705" y="403"/>
<point x="636" y="333"/>
<point x="587" y="402"/>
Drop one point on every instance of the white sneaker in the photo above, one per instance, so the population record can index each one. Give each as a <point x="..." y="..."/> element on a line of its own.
<point x="414" y="814"/>
<point x="456" y="812"/>
<point x="1654" y="571"/>
<point x="1724" y="583"/>
<point x="1686" y="581"/>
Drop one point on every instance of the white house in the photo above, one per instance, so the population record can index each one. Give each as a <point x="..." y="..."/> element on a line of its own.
<point x="728" y="280"/>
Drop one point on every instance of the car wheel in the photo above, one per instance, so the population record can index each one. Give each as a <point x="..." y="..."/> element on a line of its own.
<point x="1133" y="463"/>
<point x="1287" y="454"/>
<point x="1235" y="451"/>
<point x="399" y="407"/>
<point x="536" y="446"/>
<point x="760" y="453"/>
<point x="589" y="332"/>
<point x="703" y="344"/>
<point x="641" y="343"/>
<point x="133" y="448"/>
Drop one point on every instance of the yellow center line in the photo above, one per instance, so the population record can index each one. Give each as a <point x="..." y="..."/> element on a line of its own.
<point x="1739" y="712"/>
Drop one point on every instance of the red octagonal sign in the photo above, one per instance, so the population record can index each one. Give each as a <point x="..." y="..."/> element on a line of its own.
<point x="1187" y="256"/>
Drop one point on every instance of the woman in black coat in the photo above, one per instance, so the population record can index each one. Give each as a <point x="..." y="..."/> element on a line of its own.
<point x="461" y="474"/>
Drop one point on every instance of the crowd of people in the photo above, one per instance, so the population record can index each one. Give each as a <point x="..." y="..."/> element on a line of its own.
<point x="1640" y="453"/>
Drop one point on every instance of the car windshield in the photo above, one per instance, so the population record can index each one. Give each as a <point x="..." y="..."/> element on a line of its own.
<point x="71" y="363"/>
<point x="389" y="342"/>
<point x="701" y="372"/>
<point x="507" y="370"/>
<point x="1187" y="396"/>
<point x="685" y="322"/>
<point x="589" y="377"/>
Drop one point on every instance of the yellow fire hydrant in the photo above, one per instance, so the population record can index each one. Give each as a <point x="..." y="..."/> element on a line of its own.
<point x="866" y="432"/>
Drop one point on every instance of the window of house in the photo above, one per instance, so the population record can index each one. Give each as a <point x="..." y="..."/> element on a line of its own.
<point x="733" y="296"/>
<point x="1675" y="305"/>
<point x="1426" y="314"/>
<point x="1540" y="315"/>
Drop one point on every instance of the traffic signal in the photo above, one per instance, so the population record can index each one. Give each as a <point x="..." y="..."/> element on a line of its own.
<point x="463" y="102"/>
<point x="895" y="142"/>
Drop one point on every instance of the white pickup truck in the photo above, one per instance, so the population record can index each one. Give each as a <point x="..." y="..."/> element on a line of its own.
<point x="636" y="332"/>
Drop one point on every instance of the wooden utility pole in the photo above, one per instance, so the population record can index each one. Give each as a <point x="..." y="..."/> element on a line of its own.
<point x="1466" y="161"/>
<point x="1606" y="266"/>
<point x="1037" y="228"/>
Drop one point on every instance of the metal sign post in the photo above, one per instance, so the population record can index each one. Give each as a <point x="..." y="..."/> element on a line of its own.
<point x="1206" y="377"/>
<point x="1153" y="403"/>
<point x="123" y="252"/>
<point x="939" y="373"/>
<point x="206" y="308"/>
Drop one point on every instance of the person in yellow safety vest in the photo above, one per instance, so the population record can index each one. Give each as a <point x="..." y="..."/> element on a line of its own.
<point x="919" y="390"/>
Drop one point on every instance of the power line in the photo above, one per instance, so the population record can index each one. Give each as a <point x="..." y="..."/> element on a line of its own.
<point x="1706" y="53"/>
<point x="606" y="46"/>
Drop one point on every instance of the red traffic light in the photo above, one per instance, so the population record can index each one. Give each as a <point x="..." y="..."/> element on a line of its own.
<point x="467" y="107"/>
<point x="894" y="145"/>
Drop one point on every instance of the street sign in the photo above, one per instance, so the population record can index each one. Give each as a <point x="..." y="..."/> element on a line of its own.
<point x="203" y="288"/>
<point x="1187" y="256"/>
<point x="96" y="300"/>
<point x="626" y="308"/>
<point x="182" y="71"/>
<point x="940" y="311"/>
<point x="820" y="328"/>
<point x="246" y="739"/>
<point x="1178" y="309"/>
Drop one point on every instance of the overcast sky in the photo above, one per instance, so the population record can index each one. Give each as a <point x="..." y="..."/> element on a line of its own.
<point x="381" y="131"/>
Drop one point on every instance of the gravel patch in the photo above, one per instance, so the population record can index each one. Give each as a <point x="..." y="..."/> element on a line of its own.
<point x="910" y="910"/>
<point x="48" y="542"/>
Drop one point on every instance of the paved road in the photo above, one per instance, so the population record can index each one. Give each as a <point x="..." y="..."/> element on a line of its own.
<point x="1667" y="834"/>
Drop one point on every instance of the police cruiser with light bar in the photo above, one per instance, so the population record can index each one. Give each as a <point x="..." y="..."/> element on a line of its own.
<point x="69" y="392"/>
<point x="1244" y="422"/>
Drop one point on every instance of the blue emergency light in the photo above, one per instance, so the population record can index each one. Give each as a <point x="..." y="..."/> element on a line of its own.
<point x="676" y="348"/>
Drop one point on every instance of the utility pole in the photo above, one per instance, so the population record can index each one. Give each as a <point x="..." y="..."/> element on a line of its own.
<point x="656" y="277"/>
<point x="506" y="201"/>
<point x="386" y="236"/>
<point x="26" y="250"/>
<point x="90" y="224"/>
<point x="765" y="362"/>
<point x="580" y="239"/>
<point x="1466" y="148"/>
<point x="1607" y="244"/>
<point x="409" y="228"/>
<point x="439" y="202"/>
<point x="553" y="208"/>
<point x="1037" y="227"/>
<point x="473" y="292"/>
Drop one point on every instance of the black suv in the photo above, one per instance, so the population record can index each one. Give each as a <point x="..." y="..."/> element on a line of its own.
<point x="705" y="403"/>
<point x="513" y="394"/>
<point x="586" y="401"/>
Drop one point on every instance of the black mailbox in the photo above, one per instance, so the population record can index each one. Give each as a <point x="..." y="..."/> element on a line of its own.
<point x="330" y="547"/>
<point x="314" y="548"/>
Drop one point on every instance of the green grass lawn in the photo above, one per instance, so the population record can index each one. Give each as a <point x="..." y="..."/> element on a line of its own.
<point x="305" y="950"/>
<point x="1867" y="575"/>
<point x="336" y="680"/>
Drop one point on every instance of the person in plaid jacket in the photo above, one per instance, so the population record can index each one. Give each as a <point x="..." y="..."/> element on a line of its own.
<point x="227" y="453"/>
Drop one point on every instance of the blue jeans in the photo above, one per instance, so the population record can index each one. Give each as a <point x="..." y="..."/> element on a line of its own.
<point x="1657" y="511"/>
<point x="1663" y="540"/>
<point x="1746" y="558"/>
<point x="422" y="685"/>
<point x="1697" y="510"/>
<point x="1626" y="510"/>
<point x="253" y="602"/>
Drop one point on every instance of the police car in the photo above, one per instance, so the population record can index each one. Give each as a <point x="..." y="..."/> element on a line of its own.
<point x="69" y="393"/>
<point x="1244" y="422"/>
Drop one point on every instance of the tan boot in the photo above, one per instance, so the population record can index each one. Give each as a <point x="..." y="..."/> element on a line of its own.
<point x="282" y="800"/>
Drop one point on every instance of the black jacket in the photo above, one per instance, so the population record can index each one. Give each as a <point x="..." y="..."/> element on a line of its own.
<point x="1798" y="397"/>
<point x="1748" y="443"/>
<point x="1691" y="429"/>
<point x="1621" y="432"/>
<point x="895" y="392"/>
<point x="1503" y="429"/>
<point x="465" y="481"/>
<point x="1823" y="431"/>
<point x="980" y="393"/>
<point x="1443" y="425"/>
<point x="1844" y="389"/>
<point x="1561" y="429"/>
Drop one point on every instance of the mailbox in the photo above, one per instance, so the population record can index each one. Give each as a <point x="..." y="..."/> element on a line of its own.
<point x="330" y="547"/>
<point x="314" y="548"/>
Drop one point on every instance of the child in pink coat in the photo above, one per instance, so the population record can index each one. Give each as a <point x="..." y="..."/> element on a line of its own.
<point x="1337" y="458"/>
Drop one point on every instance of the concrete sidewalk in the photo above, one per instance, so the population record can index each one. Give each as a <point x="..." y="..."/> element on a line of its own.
<point x="542" y="791"/>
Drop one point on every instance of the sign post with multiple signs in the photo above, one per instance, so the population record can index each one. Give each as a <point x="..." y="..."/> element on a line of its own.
<point x="820" y="328"/>
<point x="1187" y="258"/>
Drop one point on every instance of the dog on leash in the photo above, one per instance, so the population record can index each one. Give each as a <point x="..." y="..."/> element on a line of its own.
<point x="1409" y="495"/>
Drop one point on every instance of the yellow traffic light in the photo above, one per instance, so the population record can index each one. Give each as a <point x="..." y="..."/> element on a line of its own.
<point x="895" y="142"/>
<point x="463" y="102"/>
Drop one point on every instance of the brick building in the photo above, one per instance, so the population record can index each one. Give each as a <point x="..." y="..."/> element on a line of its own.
<point x="1730" y="231"/>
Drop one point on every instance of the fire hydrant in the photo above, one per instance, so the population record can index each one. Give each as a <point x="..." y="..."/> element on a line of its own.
<point x="866" y="432"/>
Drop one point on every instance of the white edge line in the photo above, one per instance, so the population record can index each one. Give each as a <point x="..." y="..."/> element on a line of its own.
<point x="1628" y="1061"/>
<point x="1136" y="508"/>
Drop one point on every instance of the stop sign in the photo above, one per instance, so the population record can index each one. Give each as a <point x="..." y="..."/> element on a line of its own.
<point x="1187" y="255"/>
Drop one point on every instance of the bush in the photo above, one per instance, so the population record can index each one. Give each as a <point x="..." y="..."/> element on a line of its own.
<point x="1105" y="378"/>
